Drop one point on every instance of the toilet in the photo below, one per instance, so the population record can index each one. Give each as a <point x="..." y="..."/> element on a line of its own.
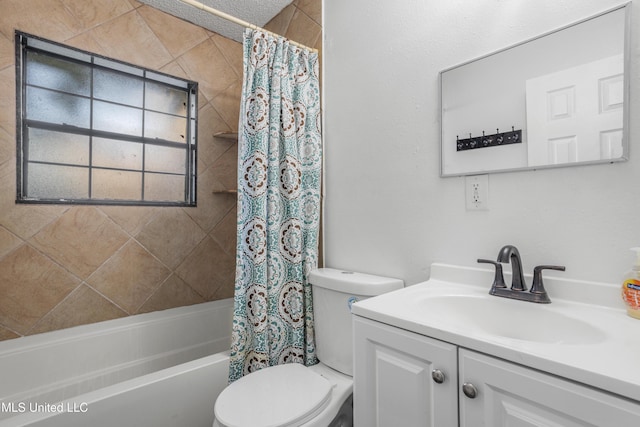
<point x="315" y="396"/>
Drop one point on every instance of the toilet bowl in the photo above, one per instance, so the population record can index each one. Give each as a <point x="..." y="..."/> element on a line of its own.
<point x="293" y="395"/>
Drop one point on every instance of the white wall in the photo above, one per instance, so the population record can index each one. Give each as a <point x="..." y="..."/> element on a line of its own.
<point x="388" y="211"/>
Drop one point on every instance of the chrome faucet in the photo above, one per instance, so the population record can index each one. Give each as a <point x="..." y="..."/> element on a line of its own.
<point x="538" y="294"/>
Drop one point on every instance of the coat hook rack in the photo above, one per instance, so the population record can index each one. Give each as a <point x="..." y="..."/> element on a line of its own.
<point x="499" y="138"/>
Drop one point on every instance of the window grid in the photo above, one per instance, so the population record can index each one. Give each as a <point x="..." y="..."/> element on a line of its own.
<point x="26" y="123"/>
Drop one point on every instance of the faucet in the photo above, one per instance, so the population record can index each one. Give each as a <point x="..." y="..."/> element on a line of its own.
<point x="509" y="253"/>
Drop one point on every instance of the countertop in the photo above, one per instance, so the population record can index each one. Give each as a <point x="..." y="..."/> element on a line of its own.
<point x="609" y="363"/>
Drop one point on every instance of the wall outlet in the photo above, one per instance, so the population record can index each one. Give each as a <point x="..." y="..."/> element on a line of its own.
<point x="477" y="192"/>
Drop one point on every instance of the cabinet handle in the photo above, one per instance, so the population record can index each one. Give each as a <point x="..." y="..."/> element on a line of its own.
<point x="469" y="390"/>
<point x="438" y="376"/>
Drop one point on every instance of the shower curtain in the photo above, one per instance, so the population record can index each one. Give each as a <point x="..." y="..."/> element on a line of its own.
<point x="279" y="174"/>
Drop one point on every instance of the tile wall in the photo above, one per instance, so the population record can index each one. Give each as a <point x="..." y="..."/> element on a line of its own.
<point x="62" y="266"/>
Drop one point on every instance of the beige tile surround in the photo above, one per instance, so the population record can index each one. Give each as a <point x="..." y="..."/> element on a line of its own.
<point x="62" y="266"/>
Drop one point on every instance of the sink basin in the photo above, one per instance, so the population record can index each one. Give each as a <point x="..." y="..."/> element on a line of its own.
<point x="510" y="319"/>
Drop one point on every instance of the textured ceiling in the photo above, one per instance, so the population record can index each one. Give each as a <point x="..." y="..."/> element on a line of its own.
<point x="257" y="12"/>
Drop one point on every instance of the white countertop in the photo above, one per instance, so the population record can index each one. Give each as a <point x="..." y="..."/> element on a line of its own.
<point x="610" y="362"/>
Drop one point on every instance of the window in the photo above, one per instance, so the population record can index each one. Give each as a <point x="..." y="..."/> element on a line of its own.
<point x="98" y="131"/>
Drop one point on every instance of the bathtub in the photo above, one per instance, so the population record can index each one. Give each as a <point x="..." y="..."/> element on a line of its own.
<point x="157" y="369"/>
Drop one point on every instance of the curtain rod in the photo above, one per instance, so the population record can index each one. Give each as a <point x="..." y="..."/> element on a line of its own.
<point x="239" y="21"/>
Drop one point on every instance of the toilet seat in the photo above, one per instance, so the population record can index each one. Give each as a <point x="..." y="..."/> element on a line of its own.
<point x="279" y="396"/>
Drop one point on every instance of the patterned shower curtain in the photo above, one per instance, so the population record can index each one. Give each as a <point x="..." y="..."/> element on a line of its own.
<point x="279" y="172"/>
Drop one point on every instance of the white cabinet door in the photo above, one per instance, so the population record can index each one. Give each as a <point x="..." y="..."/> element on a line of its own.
<point x="510" y="395"/>
<point x="393" y="384"/>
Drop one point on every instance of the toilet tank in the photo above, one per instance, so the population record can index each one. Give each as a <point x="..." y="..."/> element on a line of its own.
<point x="333" y="293"/>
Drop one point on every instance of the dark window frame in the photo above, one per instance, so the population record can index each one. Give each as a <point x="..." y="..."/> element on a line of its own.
<point x="28" y="43"/>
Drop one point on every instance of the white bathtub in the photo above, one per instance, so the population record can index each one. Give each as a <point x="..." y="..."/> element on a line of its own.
<point x="158" y="369"/>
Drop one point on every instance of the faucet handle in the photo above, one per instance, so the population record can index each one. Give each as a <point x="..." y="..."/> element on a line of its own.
<point x="538" y="287"/>
<point x="498" y="279"/>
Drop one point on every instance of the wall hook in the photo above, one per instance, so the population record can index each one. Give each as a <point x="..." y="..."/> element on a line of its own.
<point x="510" y="137"/>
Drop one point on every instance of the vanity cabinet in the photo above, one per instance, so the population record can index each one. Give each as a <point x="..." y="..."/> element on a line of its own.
<point x="394" y="384"/>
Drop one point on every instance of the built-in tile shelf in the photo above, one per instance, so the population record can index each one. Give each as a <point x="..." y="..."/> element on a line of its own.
<point x="230" y="136"/>
<point x="227" y="135"/>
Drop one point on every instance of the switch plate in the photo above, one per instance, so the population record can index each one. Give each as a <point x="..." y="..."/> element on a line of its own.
<point x="477" y="192"/>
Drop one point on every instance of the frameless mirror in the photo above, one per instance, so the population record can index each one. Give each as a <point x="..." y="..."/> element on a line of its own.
<point x="559" y="99"/>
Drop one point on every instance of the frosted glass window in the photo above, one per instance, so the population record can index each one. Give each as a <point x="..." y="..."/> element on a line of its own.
<point x="118" y="87"/>
<point x="164" y="159"/>
<point x="116" y="184"/>
<point x="67" y="182"/>
<point x="166" y="99"/>
<point x="94" y="130"/>
<point x="117" y="118"/>
<point x="55" y="73"/>
<point x="162" y="187"/>
<point x="112" y="153"/>
<point x="58" y="147"/>
<point x="48" y="106"/>
<point x="164" y="126"/>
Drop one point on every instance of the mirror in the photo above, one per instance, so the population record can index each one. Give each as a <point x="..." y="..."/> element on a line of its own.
<point x="559" y="99"/>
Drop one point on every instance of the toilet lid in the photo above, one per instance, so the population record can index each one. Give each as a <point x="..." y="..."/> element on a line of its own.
<point x="278" y="396"/>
